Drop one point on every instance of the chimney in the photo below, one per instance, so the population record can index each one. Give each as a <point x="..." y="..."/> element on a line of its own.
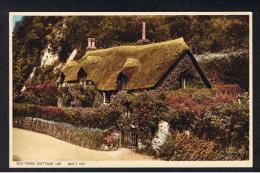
<point x="93" y="43"/>
<point x="143" y="31"/>
<point x="89" y="43"/>
<point x="143" y="40"/>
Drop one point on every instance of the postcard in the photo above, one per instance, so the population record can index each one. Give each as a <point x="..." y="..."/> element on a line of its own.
<point x="130" y="89"/>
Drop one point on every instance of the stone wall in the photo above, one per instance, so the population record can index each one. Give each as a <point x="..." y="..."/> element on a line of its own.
<point x="171" y="81"/>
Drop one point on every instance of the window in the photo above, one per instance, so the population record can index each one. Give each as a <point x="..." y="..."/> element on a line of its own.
<point x="81" y="74"/>
<point x="185" y="77"/>
<point x="122" y="81"/>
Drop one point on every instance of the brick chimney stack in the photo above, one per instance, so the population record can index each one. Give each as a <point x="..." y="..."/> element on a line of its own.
<point x="91" y="44"/>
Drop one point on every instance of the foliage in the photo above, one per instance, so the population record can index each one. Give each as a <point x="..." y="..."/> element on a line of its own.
<point x="93" y="138"/>
<point x="203" y="33"/>
<point x="181" y="147"/>
<point x="232" y="153"/>
<point x="229" y="69"/>
<point x="143" y="110"/>
<point x="216" y="114"/>
<point x="197" y="101"/>
<point x="111" y="138"/>
<point x="65" y="96"/>
<point x="28" y="42"/>
<point x="102" y="117"/>
<point x="211" y="115"/>
<point x="43" y="74"/>
<point x="42" y="94"/>
<point x="77" y="95"/>
<point x="87" y="96"/>
<point x="229" y="123"/>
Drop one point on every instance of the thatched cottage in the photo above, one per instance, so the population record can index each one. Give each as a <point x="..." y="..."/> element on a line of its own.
<point x="156" y="66"/>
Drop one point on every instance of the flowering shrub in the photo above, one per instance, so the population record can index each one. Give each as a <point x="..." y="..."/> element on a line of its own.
<point x="198" y="101"/>
<point x="183" y="147"/>
<point x="111" y="139"/>
<point x="42" y="94"/>
<point x="231" y="89"/>
<point x="218" y="115"/>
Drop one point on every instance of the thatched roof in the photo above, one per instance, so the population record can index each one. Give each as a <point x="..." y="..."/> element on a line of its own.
<point x="142" y="65"/>
<point x="70" y="71"/>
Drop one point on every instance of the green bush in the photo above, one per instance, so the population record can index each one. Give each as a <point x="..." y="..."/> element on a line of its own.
<point x="144" y="110"/>
<point x="87" y="96"/>
<point x="94" y="138"/>
<point x="78" y="96"/>
<point x="65" y="96"/>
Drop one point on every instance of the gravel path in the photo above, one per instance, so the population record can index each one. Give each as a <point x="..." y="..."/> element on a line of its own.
<point x="28" y="145"/>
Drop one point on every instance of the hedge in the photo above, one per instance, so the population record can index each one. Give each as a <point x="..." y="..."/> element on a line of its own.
<point x="102" y="117"/>
<point x="92" y="138"/>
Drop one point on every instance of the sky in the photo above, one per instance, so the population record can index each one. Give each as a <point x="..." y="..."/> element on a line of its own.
<point x="16" y="19"/>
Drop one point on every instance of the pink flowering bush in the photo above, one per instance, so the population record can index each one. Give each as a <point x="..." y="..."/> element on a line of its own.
<point x="41" y="94"/>
<point x="111" y="138"/>
<point x="219" y="114"/>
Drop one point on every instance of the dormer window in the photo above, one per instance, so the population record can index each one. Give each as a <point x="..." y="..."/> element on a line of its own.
<point x="122" y="81"/>
<point x="81" y="74"/>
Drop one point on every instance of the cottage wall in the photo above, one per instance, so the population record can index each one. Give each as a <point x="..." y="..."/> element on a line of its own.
<point x="172" y="79"/>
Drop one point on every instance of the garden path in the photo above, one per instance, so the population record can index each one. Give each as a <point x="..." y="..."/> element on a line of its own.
<point x="28" y="145"/>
